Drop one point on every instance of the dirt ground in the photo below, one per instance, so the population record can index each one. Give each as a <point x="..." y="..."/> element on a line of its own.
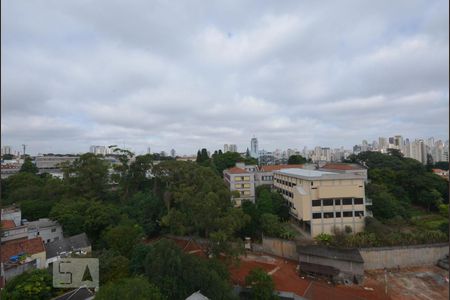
<point x="430" y="283"/>
<point x="286" y="278"/>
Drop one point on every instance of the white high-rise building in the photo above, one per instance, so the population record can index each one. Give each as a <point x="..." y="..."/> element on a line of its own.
<point x="254" y="147"/>
<point x="225" y="148"/>
<point x="99" y="150"/>
<point x="383" y="144"/>
<point x="172" y="153"/>
<point x="232" y="148"/>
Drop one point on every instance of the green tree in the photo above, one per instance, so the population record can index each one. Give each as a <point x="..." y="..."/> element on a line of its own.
<point x="123" y="237"/>
<point x="135" y="288"/>
<point x="261" y="284"/>
<point x="33" y="285"/>
<point x="78" y="215"/>
<point x="296" y="159"/>
<point x="7" y="156"/>
<point x="270" y="225"/>
<point x="178" y="274"/>
<point x="28" y="166"/>
<point x="430" y="198"/>
<point x="113" y="266"/>
<point x="131" y="173"/>
<point x="87" y="176"/>
<point x="147" y="209"/>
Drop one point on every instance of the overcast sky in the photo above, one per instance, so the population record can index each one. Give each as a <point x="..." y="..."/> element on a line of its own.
<point x="192" y="74"/>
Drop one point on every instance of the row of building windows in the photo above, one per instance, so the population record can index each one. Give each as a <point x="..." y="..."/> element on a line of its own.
<point x="337" y="214"/>
<point x="242" y="185"/>
<point x="287" y="193"/>
<point x="245" y="193"/>
<point x="266" y="178"/>
<point x="242" y="178"/>
<point x="290" y="184"/>
<point x="343" y="201"/>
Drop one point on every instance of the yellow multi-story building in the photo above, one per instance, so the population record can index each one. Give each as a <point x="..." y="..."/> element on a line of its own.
<point x="241" y="179"/>
<point x="322" y="201"/>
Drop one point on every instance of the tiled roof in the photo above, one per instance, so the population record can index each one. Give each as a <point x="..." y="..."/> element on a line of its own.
<point x="335" y="166"/>
<point x="30" y="247"/>
<point x="8" y="224"/>
<point x="236" y="170"/>
<point x="279" y="167"/>
<point x="438" y="171"/>
<point x="73" y="243"/>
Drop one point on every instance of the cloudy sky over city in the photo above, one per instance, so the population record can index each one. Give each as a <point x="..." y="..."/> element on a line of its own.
<point x="192" y="74"/>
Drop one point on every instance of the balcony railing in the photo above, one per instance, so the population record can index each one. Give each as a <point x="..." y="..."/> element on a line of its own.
<point x="368" y="201"/>
<point x="369" y="213"/>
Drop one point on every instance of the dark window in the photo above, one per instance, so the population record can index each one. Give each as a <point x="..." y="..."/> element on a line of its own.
<point x="359" y="213"/>
<point x="338" y="214"/>
<point x="337" y="201"/>
<point x="53" y="229"/>
<point x="327" y="202"/>
<point x="347" y="214"/>
<point x="328" y="215"/>
<point x="312" y="183"/>
<point x="347" y="201"/>
<point x="317" y="215"/>
<point x="316" y="203"/>
<point x="358" y="200"/>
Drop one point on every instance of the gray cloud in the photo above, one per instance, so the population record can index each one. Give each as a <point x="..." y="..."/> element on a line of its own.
<point x="191" y="74"/>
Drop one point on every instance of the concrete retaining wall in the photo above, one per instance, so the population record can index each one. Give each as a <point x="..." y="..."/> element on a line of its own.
<point x="403" y="256"/>
<point x="279" y="247"/>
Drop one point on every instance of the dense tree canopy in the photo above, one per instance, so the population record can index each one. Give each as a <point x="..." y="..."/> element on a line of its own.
<point x="136" y="288"/>
<point x="28" y="166"/>
<point x="261" y="284"/>
<point x="33" y="285"/>
<point x="296" y="159"/>
<point x="397" y="182"/>
<point x="178" y="274"/>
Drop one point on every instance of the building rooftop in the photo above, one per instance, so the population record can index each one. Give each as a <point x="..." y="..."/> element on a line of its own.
<point x="279" y="167"/>
<point x="352" y="255"/>
<point x="8" y="224"/>
<point x="42" y="223"/>
<point x="31" y="246"/>
<point x="236" y="170"/>
<point x="72" y="243"/>
<point x="317" y="175"/>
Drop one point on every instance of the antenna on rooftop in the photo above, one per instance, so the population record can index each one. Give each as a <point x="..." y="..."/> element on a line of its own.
<point x="24" y="148"/>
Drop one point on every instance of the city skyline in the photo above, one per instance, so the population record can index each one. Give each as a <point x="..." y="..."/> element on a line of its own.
<point x="220" y="74"/>
<point x="103" y="149"/>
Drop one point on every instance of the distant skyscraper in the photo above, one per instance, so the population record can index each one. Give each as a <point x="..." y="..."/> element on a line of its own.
<point x="254" y="147"/>
<point x="149" y="150"/>
<point x="232" y="148"/>
<point x="398" y="142"/>
<point x="225" y="148"/>
<point x="172" y="152"/>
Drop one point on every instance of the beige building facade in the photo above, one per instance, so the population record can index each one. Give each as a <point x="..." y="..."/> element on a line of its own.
<point x="242" y="182"/>
<point x="322" y="201"/>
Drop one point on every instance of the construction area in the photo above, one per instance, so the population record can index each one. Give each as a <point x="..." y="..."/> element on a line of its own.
<point x="427" y="283"/>
<point x="430" y="283"/>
